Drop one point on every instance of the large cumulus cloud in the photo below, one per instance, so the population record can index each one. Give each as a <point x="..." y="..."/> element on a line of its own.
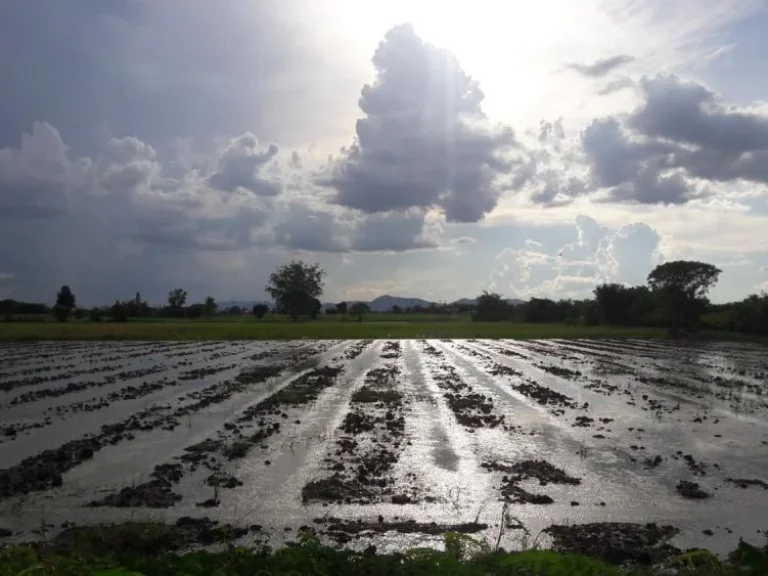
<point x="424" y="140"/>
<point x="596" y="254"/>
<point x="121" y="213"/>
<point x="677" y="145"/>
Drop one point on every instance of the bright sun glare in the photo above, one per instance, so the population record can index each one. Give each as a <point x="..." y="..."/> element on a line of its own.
<point x="510" y="47"/>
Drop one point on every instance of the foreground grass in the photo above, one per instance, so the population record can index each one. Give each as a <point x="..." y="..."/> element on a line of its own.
<point x="205" y="330"/>
<point x="309" y="557"/>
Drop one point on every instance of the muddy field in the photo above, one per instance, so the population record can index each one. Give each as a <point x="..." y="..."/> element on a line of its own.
<point x="647" y="445"/>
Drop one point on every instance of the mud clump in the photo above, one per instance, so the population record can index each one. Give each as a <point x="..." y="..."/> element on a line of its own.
<point x="152" y="494"/>
<point x="391" y="351"/>
<point x="472" y="410"/>
<point x="335" y="489"/>
<point x="540" y="470"/>
<point x="146" y="537"/>
<point x="616" y="542"/>
<point x="430" y="350"/>
<point x="44" y="471"/>
<point x="356" y="349"/>
<point x="745" y="483"/>
<point x="370" y="442"/>
<point x="502" y="370"/>
<point x="157" y="493"/>
<point x="691" y="490"/>
<point x="344" y="531"/>
<point x="223" y="480"/>
<point x="545" y="396"/>
<point x="560" y="371"/>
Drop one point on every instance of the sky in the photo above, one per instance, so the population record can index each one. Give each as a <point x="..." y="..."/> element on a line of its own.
<point x="412" y="148"/>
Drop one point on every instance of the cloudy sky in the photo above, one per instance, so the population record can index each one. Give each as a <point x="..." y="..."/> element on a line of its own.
<point x="415" y="148"/>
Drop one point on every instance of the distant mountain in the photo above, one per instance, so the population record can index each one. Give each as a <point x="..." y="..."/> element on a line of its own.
<point x="244" y="304"/>
<point x="473" y="301"/>
<point x="386" y="303"/>
<point x="381" y="304"/>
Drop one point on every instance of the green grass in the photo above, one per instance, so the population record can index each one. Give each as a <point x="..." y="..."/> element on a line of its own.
<point x="255" y="330"/>
<point x="145" y="552"/>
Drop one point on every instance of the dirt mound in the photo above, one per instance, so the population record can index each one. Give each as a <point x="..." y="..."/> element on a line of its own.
<point x="616" y="542"/>
<point x="146" y="537"/>
<point x="691" y="490"/>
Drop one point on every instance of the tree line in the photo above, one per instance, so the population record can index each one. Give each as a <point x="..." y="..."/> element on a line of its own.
<point x="675" y="296"/>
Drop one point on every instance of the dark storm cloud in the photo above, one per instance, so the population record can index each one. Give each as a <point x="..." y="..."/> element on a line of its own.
<point x="240" y="166"/>
<point x="679" y="141"/>
<point x="100" y="221"/>
<point x="633" y="170"/>
<point x="601" y="67"/>
<point x="424" y="140"/>
<point x="156" y="70"/>
<point x="690" y="113"/>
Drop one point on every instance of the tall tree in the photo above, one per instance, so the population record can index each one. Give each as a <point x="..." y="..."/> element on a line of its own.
<point x="682" y="287"/>
<point x="65" y="303"/>
<point x="615" y="301"/>
<point x="359" y="309"/>
<point x="491" y="307"/>
<point x="341" y="308"/>
<point x="259" y="310"/>
<point x="210" y="306"/>
<point x="295" y="286"/>
<point x="177" y="298"/>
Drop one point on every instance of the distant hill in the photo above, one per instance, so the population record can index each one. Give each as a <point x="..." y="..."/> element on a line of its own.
<point x="244" y="304"/>
<point x="386" y="303"/>
<point x="381" y="304"/>
<point x="473" y="301"/>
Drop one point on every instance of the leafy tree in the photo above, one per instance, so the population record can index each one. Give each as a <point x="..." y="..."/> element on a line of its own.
<point x="194" y="311"/>
<point x="298" y="303"/>
<point x="119" y="311"/>
<point x="615" y="301"/>
<point x="317" y="307"/>
<point x="751" y="315"/>
<point x="137" y="307"/>
<point x="65" y="302"/>
<point x="294" y="287"/>
<point x="359" y="309"/>
<point x="94" y="315"/>
<point x="177" y="298"/>
<point x="79" y="313"/>
<point x="682" y="287"/>
<point x="209" y="307"/>
<point x="396" y="309"/>
<point x="341" y="308"/>
<point x="259" y="310"/>
<point x="491" y="307"/>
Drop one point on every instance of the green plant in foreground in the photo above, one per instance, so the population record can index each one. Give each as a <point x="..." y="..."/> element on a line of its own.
<point x="463" y="556"/>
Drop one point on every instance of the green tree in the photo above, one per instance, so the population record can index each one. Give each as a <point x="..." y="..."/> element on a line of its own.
<point x="259" y="310"/>
<point x="751" y="314"/>
<point x="615" y="301"/>
<point x="209" y="307"/>
<point x="341" y="308"/>
<point x="682" y="287"/>
<point x="65" y="303"/>
<point x="359" y="309"/>
<point x="176" y="300"/>
<point x="119" y="311"/>
<point x="317" y="307"/>
<point x="294" y="287"/>
<point x="491" y="307"/>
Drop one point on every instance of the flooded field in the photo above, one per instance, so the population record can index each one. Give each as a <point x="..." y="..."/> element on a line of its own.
<point x="391" y="442"/>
